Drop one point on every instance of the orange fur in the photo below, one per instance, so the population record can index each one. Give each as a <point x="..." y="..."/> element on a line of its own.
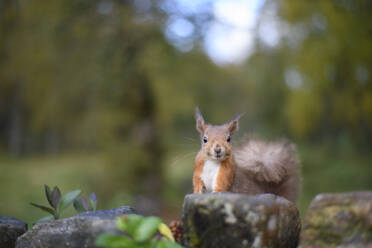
<point x="216" y="146"/>
<point x="198" y="184"/>
<point x="225" y="176"/>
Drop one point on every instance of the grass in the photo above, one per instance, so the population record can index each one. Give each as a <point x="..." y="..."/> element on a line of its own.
<point x="21" y="180"/>
<point x="328" y="170"/>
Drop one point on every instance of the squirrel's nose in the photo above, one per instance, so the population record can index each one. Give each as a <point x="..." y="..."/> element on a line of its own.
<point x="217" y="149"/>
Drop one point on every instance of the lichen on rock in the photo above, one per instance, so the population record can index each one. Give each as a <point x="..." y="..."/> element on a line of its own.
<point x="338" y="220"/>
<point x="238" y="220"/>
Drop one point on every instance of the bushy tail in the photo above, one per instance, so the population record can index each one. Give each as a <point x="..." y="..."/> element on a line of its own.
<point x="270" y="162"/>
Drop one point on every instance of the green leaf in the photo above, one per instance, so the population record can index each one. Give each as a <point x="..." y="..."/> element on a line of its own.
<point x="147" y="228"/>
<point x="165" y="231"/>
<point x="92" y="205"/>
<point x="46" y="218"/>
<point x="153" y="243"/>
<point x="166" y="243"/>
<point x="86" y="204"/>
<point x="93" y="201"/>
<point x="55" y="197"/>
<point x="44" y="208"/>
<point x="78" y="206"/>
<point x="129" y="223"/>
<point x="67" y="199"/>
<point x="115" y="241"/>
<point x="48" y="194"/>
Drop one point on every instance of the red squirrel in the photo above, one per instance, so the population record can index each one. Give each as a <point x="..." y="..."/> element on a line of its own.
<point x="254" y="167"/>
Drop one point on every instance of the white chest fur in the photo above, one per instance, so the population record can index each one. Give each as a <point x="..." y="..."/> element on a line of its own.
<point x="210" y="173"/>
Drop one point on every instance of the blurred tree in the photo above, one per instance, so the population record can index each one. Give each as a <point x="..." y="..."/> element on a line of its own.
<point x="324" y="61"/>
<point x="99" y="76"/>
<point x="335" y="60"/>
<point x="72" y="77"/>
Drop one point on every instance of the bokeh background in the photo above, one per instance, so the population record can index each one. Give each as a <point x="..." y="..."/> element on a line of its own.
<point x="99" y="95"/>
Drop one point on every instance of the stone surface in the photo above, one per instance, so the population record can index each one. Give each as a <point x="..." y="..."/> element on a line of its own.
<point x="75" y="232"/>
<point x="110" y="213"/>
<point x="338" y="220"/>
<point x="10" y="230"/>
<point x="238" y="220"/>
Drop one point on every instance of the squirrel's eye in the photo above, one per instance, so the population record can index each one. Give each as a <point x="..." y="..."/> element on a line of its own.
<point x="205" y="139"/>
<point x="228" y="139"/>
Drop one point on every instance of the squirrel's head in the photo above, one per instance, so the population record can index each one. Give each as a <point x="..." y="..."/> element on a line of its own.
<point x="216" y="140"/>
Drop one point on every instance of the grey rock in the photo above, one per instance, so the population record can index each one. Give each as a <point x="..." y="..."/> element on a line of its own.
<point x="10" y="230"/>
<point x="75" y="232"/>
<point x="338" y="220"/>
<point x="109" y="214"/>
<point x="238" y="220"/>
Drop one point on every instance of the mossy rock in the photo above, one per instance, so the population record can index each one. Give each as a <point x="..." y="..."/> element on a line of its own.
<point x="238" y="220"/>
<point x="338" y="220"/>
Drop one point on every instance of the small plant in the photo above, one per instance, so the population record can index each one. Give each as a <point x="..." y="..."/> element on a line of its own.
<point x="140" y="232"/>
<point x="83" y="204"/>
<point x="56" y="201"/>
<point x="177" y="230"/>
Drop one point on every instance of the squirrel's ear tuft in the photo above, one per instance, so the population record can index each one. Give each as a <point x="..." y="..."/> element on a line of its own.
<point x="200" y="123"/>
<point x="233" y="126"/>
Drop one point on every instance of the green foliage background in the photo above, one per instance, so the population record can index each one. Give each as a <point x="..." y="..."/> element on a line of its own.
<point x="103" y="102"/>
